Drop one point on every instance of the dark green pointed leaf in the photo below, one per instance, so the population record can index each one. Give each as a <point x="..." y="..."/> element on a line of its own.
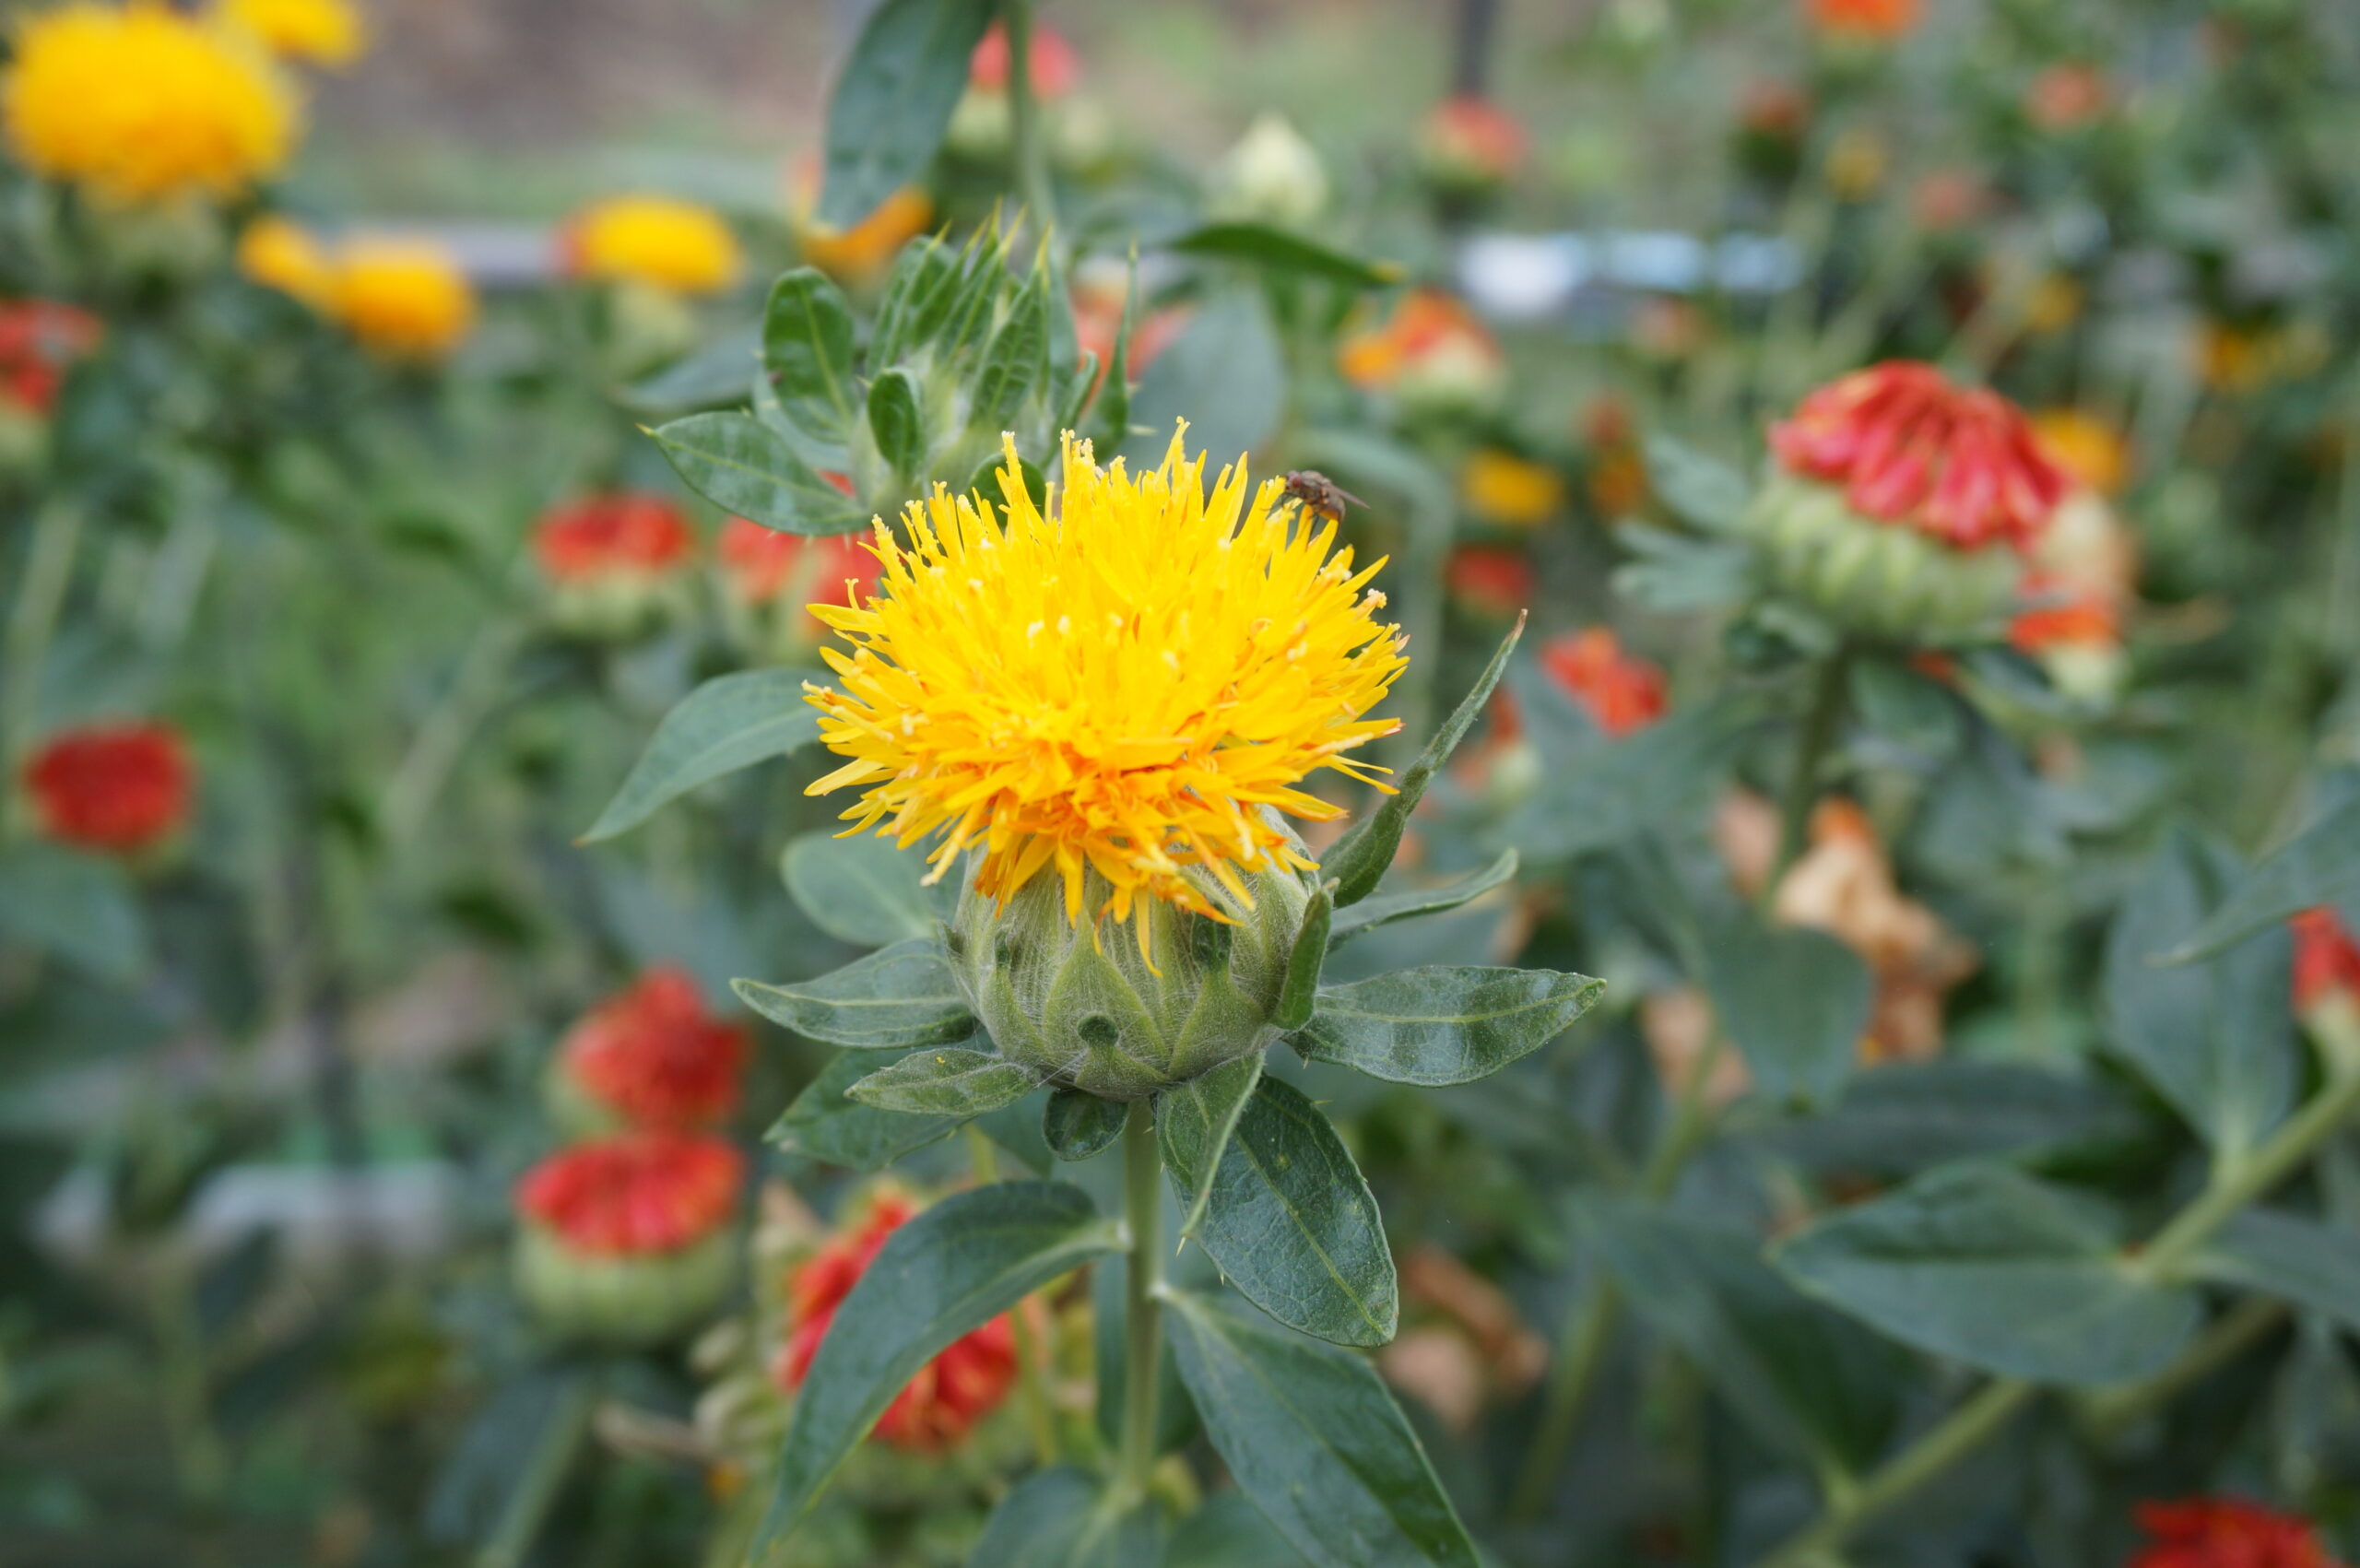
<point x="1228" y="1531"/>
<point x="1016" y="362"/>
<point x="946" y="1080"/>
<point x="1807" y="1378"/>
<point x="925" y="280"/>
<point x="1314" y="1439"/>
<point x="1224" y="373"/>
<point x="1081" y="1126"/>
<point x="1444" y="1025"/>
<point x="746" y="469"/>
<point x="1109" y="423"/>
<point x="823" y="1124"/>
<point x="2318" y="866"/>
<point x="714" y="375"/>
<point x="1067" y="1517"/>
<point x="945" y="1274"/>
<point x="2314" y="1265"/>
<point x="1281" y="251"/>
<point x="1300" y="991"/>
<point x="1700" y="490"/>
<point x="807" y="348"/>
<point x="984" y="480"/>
<point x="1899" y="704"/>
<point x="2216" y="1038"/>
<point x="730" y="721"/>
<point x="1358" y="860"/>
<point x="1016" y="1126"/>
<point x="1596" y="793"/>
<point x="892" y="105"/>
<point x="1194" y="1122"/>
<point x="76" y="907"/>
<point x="900" y="995"/>
<point x="1795" y="1001"/>
<point x="1910" y="1117"/>
<point x="1383" y="909"/>
<point x="862" y="890"/>
<point x="898" y="422"/>
<point x="1293" y="1225"/>
<point x="1988" y="1267"/>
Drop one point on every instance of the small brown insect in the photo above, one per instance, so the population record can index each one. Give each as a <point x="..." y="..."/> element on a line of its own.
<point x="1319" y="494"/>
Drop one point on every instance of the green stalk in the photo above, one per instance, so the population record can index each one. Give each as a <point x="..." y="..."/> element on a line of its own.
<point x="1032" y="153"/>
<point x="2236" y="1182"/>
<point x="2106" y="1411"/>
<point x="544" y="1476"/>
<point x="1810" y="750"/>
<point x="1142" y="1316"/>
<point x="49" y="567"/>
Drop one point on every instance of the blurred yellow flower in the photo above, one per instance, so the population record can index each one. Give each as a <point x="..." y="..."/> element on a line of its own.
<point x="863" y="252"/>
<point x="1121" y="684"/>
<point x="406" y="299"/>
<point x="2086" y="447"/>
<point x="282" y="254"/>
<point x="1856" y="164"/>
<point x="675" y="245"/>
<point x="141" y="104"/>
<point x="326" y="33"/>
<point x="1499" y="487"/>
<point x="2054" y="304"/>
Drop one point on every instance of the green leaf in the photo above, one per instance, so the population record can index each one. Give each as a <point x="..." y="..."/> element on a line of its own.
<point x="746" y="468"/>
<point x="1277" y="250"/>
<point x="1314" y="1439"/>
<point x="945" y="1274"/>
<point x="1988" y="1267"/>
<point x="2318" y="866"/>
<point x="1443" y="1025"/>
<point x="807" y="348"/>
<point x="1358" y="860"/>
<point x="918" y="291"/>
<point x="1597" y="793"/>
<point x="1111" y="419"/>
<point x="892" y="105"/>
<point x="1224" y="373"/>
<point x="730" y="721"/>
<point x="1909" y="1116"/>
<point x="715" y="374"/>
<point x="1299" y="993"/>
<point x="899" y="995"/>
<point x="2216" y="1039"/>
<point x="1194" y="1122"/>
<point x="1016" y="362"/>
<point x="1794" y="1000"/>
<point x="823" y="1124"/>
<point x="984" y="480"/>
<point x="1292" y="1223"/>
<point x="1700" y="490"/>
<point x="862" y="890"/>
<point x="76" y="907"/>
<point x="1806" y="1378"/>
<point x="1066" y="1517"/>
<point x="1383" y="909"/>
<point x="898" y="421"/>
<point x="946" y="1080"/>
<point x="1229" y="1532"/>
<point x="2315" y="1266"/>
<point x="1899" y="704"/>
<point x="1080" y="1126"/>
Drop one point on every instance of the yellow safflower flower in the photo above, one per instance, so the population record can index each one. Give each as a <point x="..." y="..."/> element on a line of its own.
<point x="670" y="244"/>
<point x="2085" y="446"/>
<point x="326" y="33"/>
<point x="406" y="299"/>
<point x="1499" y="487"/>
<point x="860" y="253"/>
<point x="1121" y="682"/>
<point x="141" y="104"/>
<point x="279" y="253"/>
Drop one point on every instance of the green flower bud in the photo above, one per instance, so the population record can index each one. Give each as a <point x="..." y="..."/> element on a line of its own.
<point x="1873" y="577"/>
<point x="619" y="1299"/>
<point x="1082" y="1005"/>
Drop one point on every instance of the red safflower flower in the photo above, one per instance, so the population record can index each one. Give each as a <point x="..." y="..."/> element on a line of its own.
<point x="654" y="1057"/>
<point x="1472" y="134"/>
<point x="2327" y="961"/>
<point x="1961" y="465"/>
<point x="763" y="563"/>
<point x="2226" y="1532"/>
<point x="1057" y="68"/>
<point x="949" y="1394"/>
<point x="2066" y="97"/>
<point x="1874" y="21"/>
<point x="613" y="535"/>
<point x="116" y="787"/>
<point x="38" y="339"/>
<point x="1619" y="691"/>
<point x="1428" y="327"/>
<point x="1774" y="109"/>
<point x="1489" y="579"/>
<point x="635" y="1195"/>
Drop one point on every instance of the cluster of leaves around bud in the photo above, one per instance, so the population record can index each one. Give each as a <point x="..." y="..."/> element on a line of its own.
<point x="964" y="348"/>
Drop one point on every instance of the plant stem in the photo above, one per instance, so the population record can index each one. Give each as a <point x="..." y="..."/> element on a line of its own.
<point x="1032" y="154"/>
<point x="544" y="1475"/>
<point x="1582" y="1349"/>
<point x="2108" y="1410"/>
<point x="1811" y="749"/>
<point x="49" y="567"/>
<point x="1142" y="1316"/>
<point x="2236" y="1182"/>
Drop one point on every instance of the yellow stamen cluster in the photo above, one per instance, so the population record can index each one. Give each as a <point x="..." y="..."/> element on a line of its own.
<point x="139" y="103"/>
<point x="1121" y="683"/>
